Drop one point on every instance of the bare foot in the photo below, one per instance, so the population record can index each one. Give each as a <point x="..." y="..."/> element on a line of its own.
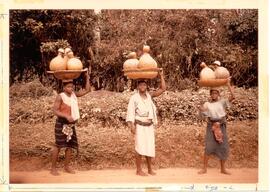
<point x="54" y="172"/>
<point x="69" y="170"/>
<point x="224" y="171"/>
<point x="203" y="171"/>
<point x="151" y="172"/>
<point x="141" y="173"/>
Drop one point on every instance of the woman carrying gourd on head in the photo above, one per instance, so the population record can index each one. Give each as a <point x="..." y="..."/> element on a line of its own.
<point x="216" y="139"/>
<point x="67" y="111"/>
<point x="141" y="118"/>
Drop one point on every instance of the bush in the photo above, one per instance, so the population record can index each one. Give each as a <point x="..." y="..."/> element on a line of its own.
<point x="179" y="41"/>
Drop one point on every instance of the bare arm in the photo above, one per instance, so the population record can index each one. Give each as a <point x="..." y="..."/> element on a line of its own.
<point x="131" y="126"/>
<point x="86" y="90"/>
<point x="162" y="85"/>
<point x="131" y="115"/>
<point x="231" y="97"/>
<point x="57" y="112"/>
<point x="201" y="107"/>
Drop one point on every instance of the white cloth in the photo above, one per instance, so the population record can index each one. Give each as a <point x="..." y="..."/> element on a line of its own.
<point x="145" y="140"/>
<point x="73" y="103"/>
<point x="216" y="110"/>
<point x="141" y="109"/>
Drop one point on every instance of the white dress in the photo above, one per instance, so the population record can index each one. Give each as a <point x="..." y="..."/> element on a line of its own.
<point x="143" y="110"/>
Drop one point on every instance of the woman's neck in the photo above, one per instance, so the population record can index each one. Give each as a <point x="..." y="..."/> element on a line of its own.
<point x="143" y="94"/>
<point x="68" y="94"/>
<point x="214" y="100"/>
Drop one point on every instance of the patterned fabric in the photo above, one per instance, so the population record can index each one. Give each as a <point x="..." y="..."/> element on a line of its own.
<point x="65" y="134"/>
<point x="217" y="132"/>
<point x="212" y="146"/>
<point x="68" y="131"/>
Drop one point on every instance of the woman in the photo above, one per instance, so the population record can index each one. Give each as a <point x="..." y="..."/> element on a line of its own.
<point x="141" y="118"/>
<point x="67" y="111"/>
<point x="216" y="140"/>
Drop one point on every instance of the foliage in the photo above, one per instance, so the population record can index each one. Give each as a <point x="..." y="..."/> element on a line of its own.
<point x="47" y="47"/>
<point x="179" y="41"/>
<point x="32" y="32"/>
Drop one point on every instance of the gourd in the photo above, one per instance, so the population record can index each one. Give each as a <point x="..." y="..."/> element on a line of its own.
<point x="74" y="64"/>
<point x="66" y="57"/>
<point x="58" y="62"/>
<point x="146" y="61"/>
<point x="70" y="54"/>
<point x="206" y="72"/>
<point x="65" y="66"/>
<point x="222" y="73"/>
<point x="67" y="50"/>
<point x="132" y="62"/>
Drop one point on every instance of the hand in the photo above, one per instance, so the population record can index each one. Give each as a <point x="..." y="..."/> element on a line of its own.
<point x="229" y="81"/>
<point x="86" y="74"/>
<point x="200" y="107"/>
<point x="161" y="72"/>
<point x="70" y="119"/>
<point x="133" y="130"/>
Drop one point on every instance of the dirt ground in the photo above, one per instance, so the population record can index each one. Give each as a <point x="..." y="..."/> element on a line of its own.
<point x="113" y="148"/>
<point x="170" y="175"/>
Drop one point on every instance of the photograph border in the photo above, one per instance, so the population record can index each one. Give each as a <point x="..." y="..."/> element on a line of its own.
<point x="263" y="85"/>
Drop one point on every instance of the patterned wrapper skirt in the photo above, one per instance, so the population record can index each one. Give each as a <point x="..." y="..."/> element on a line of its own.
<point x="65" y="134"/>
<point x="213" y="147"/>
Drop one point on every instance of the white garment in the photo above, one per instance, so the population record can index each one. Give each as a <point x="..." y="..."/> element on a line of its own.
<point x="145" y="140"/>
<point x="73" y="103"/>
<point x="141" y="109"/>
<point x="216" y="110"/>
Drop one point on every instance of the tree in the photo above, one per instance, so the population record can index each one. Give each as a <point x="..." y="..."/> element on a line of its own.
<point x="179" y="41"/>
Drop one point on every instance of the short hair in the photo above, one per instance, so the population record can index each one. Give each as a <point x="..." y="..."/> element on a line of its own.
<point x="67" y="82"/>
<point x="211" y="90"/>
<point x="141" y="81"/>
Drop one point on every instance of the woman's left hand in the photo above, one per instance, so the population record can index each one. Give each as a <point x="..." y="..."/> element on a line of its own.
<point x="161" y="72"/>
<point x="229" y="81"/>
<point x="86" y="74"/>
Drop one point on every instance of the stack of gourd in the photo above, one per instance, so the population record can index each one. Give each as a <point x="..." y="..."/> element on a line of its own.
<point x="144" y="68"/>
<point x="65" y="65"/>
<point x="213" y="78"/>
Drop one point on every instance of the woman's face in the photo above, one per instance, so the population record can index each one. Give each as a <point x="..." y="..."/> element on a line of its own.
<point x="214" y="95"/>
<point x="68" y="88"/>
<point x="142" y="87"/>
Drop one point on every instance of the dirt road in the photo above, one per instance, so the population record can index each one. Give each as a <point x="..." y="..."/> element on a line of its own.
<point x="171" y="175"/>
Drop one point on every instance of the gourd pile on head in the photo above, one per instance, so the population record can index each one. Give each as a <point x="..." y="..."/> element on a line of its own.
<point x="65" y="66"/>
<point x="65" y="60"/>
<point x="213" y="78"/>
<point x="145" y="67"/>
